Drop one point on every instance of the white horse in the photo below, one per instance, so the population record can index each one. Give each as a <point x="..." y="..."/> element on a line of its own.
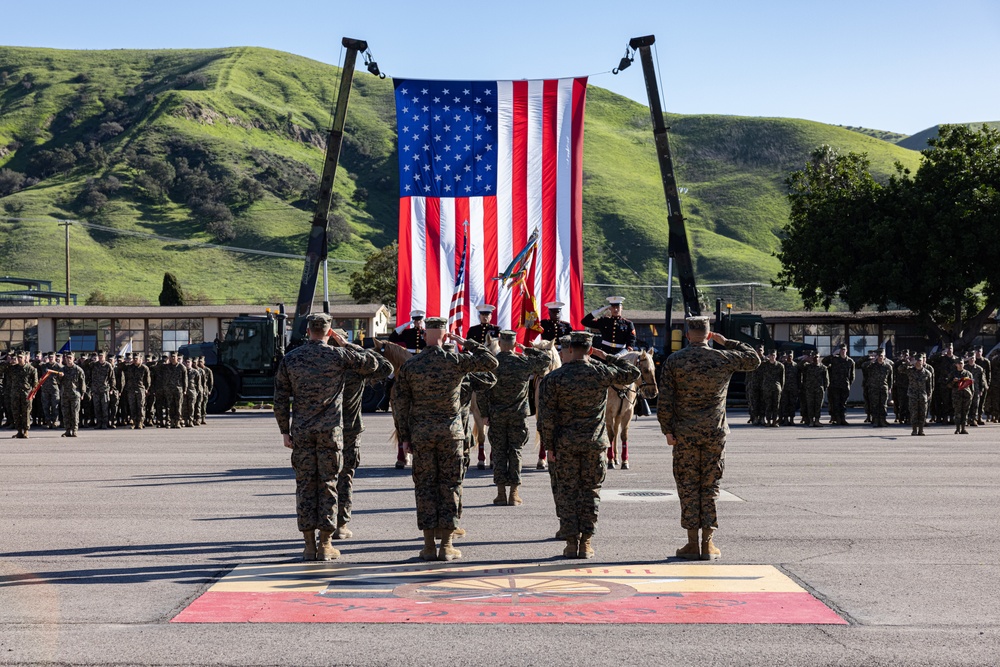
<point x="621" y="403"/>
<point x="479" y="422"/>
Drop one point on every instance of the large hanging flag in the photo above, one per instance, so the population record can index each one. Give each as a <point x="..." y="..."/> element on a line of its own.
<point x="456" y="314"/>
<point x="508" y="157"/>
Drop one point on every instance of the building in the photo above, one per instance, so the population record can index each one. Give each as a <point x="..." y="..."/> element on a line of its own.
<point x="151" y="329"/>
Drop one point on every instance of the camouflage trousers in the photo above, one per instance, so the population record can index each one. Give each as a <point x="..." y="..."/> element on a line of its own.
<point x="837" y="403"/>
<point x="101" y="399"/>
<point x="755" y="402"/>
<point x="698" y="468"/>
<point x="175" y="402"/>
<point x="789" y="403"/>
<point x="879" y="397"/>
<point x="508" y="436"/>
<point x="316" y="460"/>
<point x="71" y="412"/>
<point x="437" y="483"/>
<point x="942" y="403"/>
<point x="345" y="482"/>
<point x="578" y="475"/>
<point x="961" y="402"/>
<point x="918" y="410"/>
<point x="187" y="413"/>
<point x="772" y="399"/>
<point x="812" y="402"/>
<point x="136" y="405"/>
<point x="976" y="407"/>
<point x="20" y="411"/>
<point x="50" y="405"/>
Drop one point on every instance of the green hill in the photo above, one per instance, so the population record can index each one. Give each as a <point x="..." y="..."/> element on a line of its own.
<point x="918" y="141"/>
<point x="884" y="135"/>
<point x="224" y="146"/>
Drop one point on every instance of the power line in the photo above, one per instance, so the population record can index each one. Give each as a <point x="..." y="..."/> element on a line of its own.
<point x="169" y="239"/>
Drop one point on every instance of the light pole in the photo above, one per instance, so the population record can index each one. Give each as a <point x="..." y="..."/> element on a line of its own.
<point x="66" y="224"/>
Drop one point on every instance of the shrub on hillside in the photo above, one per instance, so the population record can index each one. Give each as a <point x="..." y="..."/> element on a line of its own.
<point x="11" y="181"/>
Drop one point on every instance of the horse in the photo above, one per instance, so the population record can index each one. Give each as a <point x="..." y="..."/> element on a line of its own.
<point x="549" y="347"/>
<point x="395" y="355"/>
<point x="621" y="403"/>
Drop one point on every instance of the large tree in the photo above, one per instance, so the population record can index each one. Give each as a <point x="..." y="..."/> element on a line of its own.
<point x="376" y="282"/>
<point x="925" y="241"/>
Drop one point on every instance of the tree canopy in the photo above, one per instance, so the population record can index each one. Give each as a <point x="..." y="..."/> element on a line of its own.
<point x="926" y="242"/>
<point x="376" y="282"/>
<point x="171" y="294"/>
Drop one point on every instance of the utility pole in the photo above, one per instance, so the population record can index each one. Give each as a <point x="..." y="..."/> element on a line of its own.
<point x="66" y="224"/>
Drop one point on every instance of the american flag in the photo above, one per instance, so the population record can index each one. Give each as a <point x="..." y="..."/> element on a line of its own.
<point x="458" y="307"/>
<point x="508" y="157"/>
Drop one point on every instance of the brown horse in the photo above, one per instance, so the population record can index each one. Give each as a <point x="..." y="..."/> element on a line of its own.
<point x="621" y="403"/>
<point x="479" y="422"/>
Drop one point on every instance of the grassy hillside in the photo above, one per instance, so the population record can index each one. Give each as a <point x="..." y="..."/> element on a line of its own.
<point x="225" y="145"/>
<point x="918" y="141"/>
<point x="884" y="135"/>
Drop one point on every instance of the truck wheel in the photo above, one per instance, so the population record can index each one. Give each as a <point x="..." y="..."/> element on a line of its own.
<point x="372" y="397"/>
<point x="223" y="396"/>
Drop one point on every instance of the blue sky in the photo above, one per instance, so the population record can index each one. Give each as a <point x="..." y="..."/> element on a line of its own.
<point x="885" y="64"/>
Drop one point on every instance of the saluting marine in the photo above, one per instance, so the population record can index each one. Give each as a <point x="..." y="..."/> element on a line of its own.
<point x="554" y="327"/>
<point x="411" y="335"/>
<point x="480" y="331"/>
<point x="617" y="333"/>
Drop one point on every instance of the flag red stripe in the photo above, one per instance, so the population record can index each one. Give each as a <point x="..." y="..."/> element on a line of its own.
<point x="462" y="215"/>
<point x="519" y="186"/>
<point x="550" y="228"/>
<point x="490" y="253"/>
<point x="404" y="279"/>
<point x="576" y="246"/>
<point x="433" y="257"/>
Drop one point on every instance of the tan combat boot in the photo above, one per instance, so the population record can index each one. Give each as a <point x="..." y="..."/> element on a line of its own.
<point x="585" y="550"/>
<point x="429" y="552"/>
<point x="326" y="550"/>
<point x="447" y="551"/>
<point x="309" y="553"/>
<point x="708" y="549"/>
<point x="342" y="532"/>
<point x="458" y="532"/>
<point x="691" y="550"/>
<point x="501" y="498"/>
<point x="514" y="499"/>
<point x="572" y="547"/>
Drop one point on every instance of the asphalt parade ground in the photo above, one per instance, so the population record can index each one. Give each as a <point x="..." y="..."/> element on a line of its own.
<point x="841" y="546"/>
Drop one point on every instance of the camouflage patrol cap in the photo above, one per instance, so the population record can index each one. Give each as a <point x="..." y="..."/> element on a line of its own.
<point x="448" y="347"/>
<point x="564" y="341"/>
<point x="581" y="338"/>
<point x="436" y="323"/>
<point x="341" y="333"/>
<point x="696" y="323"/>
<point x="319" y="321"/>
<point x="508" y="335"/>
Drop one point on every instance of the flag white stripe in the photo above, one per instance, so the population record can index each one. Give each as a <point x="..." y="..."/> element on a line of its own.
<point x="536" y="99"/>
<point x="564" y="201"/>
<point x="418" y="254"/>
<point x="477" y="240"/>
<point x="505" y="214"/>
<point x="447" y="267"/>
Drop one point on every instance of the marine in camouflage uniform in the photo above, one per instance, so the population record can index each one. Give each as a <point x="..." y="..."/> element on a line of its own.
<point x="841" y="378"/>
<point x="919" y="388"/>
<point x="426" y="409"/>
<point x="506" y="406"/>
<point x="209" y="376"/>
<point x="20" y="380"/>
<point x="943" y="364"/>
<point x="900" y="388"/>
<point x="49" y="393"/>
<point x="190" y="393"/>
<point x="878" y="379"/>
<point x="993" y="396"/>
<point x="772" y="379"/>
<point x="961" y="399"/>
<point x="72" y="387"/>
<point x="137" y="383"/>
<point x="790" y="391"/>
<point x="815" y="380"/>
<point x="175" y="382"/>
<point x="982" y="406"/>
<point x="691" y="410"/>
<point x="571" y="422"/>
<point x="102" y="376"/>
<point x="354" y="390"/>
<point x="755" y="400"/>
<point x="312" y="375"/>
<point x="980" y="385"/>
